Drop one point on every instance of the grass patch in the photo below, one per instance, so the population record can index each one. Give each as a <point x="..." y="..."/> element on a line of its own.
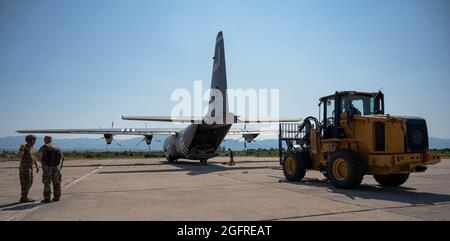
<point x="442" y="152"/>
<point x="272" y="152"/>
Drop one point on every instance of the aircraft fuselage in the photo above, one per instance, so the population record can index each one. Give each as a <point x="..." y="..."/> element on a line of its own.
<point x="195" y="142"/>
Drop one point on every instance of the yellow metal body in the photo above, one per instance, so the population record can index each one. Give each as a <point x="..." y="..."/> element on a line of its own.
<point x="360" y="138"/>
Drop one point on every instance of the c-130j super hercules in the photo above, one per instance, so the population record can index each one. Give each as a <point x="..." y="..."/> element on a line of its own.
<point x="199" y="140"/>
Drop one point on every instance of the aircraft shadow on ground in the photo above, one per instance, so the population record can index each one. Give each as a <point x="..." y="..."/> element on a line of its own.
<point x="156" y="162"/>
<point x="365" y="191"/>
<point x="193" y="168"/>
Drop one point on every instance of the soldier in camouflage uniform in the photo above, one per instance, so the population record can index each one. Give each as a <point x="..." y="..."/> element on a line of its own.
<point x="51" y="171"/>
<point x="27" y="155"/>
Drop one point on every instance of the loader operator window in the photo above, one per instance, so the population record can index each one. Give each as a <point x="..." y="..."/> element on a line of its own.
<point x="358" y="104"/>
<point x="328" y="126"/>
<point x="330" y="112"/>
<point x="355" y="106"/>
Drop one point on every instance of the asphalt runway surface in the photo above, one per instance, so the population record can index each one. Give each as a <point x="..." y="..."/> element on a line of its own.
<point x="253" y="189"/>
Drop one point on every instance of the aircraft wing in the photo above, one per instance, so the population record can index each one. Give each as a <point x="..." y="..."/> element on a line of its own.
<point x="113" y="131"/>
<point x="164" y="119"/>
<point x="265" y="120"/>
<point x="194" y="119"/>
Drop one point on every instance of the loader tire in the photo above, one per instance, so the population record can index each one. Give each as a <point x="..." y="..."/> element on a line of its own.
<point x="293" y="165"/>
<point x="345" y="170"/>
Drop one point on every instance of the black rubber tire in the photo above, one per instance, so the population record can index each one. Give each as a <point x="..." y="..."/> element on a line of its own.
<point x="392" y="180"/>
<point x="299" y="170"/>
<point x="171" y="160"/>
<point x="355" y="170"/>
<point x="204" y="161"/>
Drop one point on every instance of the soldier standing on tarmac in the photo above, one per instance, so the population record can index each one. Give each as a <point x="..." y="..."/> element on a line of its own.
<point x="50" y="156"/>
<point x="27" y="154"/>
<point x="231" y="163"/>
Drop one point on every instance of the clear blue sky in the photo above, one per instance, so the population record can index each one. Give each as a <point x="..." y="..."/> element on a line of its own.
<point x="85" y="63"/>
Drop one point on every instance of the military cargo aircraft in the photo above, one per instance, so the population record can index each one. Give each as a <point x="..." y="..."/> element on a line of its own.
<point x="202" y="137"/>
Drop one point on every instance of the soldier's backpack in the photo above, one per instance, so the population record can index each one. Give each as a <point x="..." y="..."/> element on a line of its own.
<point x="51" y="156"/>
<point x="27" y="158"/>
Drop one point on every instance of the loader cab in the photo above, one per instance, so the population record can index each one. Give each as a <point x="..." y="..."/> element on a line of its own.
<point x="348" y="104"/>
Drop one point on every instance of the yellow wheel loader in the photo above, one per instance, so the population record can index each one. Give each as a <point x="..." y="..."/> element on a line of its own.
<point x="353" y="137"/>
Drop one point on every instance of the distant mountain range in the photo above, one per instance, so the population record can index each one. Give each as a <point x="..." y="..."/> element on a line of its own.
<point x="90" y="144"/>
<point x="85" y="144"/>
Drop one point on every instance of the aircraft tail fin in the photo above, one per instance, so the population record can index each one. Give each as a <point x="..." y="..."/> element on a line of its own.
<point x="218" y="106"/>
<point x="218" y="112"/>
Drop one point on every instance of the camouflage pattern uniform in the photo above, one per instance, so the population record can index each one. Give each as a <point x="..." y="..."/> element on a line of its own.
<point x="231" y="163"/>
<point x="26" y="169"/>
<point x="51" y="175"/>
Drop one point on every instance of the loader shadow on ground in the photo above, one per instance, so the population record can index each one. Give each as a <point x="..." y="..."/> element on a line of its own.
<point x="365" y="191"/>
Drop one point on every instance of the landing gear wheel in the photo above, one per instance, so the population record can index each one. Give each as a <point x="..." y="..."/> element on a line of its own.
<point x="293" y="167"/>
<point x="204" y="161"/>
<point x="345" y="170"/>
<point x="392" y="180"/>
<point x="171" y="160"/>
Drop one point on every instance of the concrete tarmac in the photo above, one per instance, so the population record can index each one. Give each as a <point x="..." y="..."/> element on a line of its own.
<point x="253" y="189"/>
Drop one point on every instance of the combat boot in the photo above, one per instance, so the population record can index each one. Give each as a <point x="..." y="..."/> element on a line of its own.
<point x="26" y="200"/>
<point x="55" y="199"/>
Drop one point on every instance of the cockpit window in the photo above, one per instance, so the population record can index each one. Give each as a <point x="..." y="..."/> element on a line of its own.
<point x="359" y="104"/>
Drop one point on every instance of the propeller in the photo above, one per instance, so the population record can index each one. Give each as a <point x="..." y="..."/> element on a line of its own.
<point x="143" y="139"/>
<point x="249" y="137"/>
<point x="148" y="140"/>
<point x="139" y="143"/>
<point x="245" y="144"/>
<point x="117" y="142"/>
<point x="145" y="123"/>
<point x="109" y="138"/>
